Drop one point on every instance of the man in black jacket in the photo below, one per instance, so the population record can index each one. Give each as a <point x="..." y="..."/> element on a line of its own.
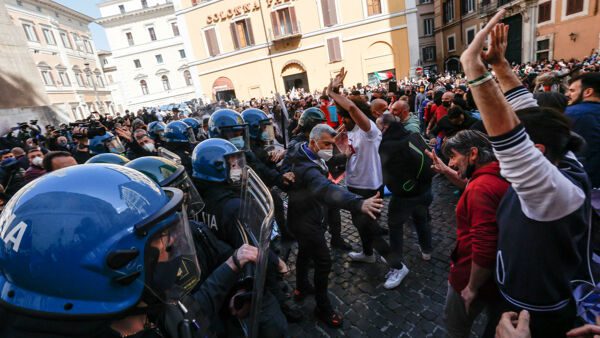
<point x="312" y="193"/>
<point x="406" y="173"/>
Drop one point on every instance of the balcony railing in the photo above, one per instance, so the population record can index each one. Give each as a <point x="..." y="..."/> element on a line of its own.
<point x="277" y="35"/>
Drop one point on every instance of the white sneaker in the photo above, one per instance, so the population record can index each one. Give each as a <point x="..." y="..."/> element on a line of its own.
<point x="395" y="277"/>
<point x="361" y="257"/>
<point x="425" y="256"/>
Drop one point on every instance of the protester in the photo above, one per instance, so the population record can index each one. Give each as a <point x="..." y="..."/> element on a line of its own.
<point x="35" y="170"/>
<point x="401" y="110"/>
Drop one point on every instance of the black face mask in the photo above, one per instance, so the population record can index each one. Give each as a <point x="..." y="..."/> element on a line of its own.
<point x="446" y="104"/>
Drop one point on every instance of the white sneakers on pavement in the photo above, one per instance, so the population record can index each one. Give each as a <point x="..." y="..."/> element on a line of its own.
<point x="395" y="277"/>
<point x="361" y="257"/>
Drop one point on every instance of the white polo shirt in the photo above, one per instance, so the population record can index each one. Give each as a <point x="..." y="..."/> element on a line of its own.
<point x="363" y="168"/>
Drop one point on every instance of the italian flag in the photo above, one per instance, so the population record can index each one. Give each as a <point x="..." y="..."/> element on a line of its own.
<point x="383" y="76"/>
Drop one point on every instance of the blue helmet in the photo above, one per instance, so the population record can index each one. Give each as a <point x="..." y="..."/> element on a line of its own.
<point x="156" y="130"/>
<point x="179" y="131"/>
<point x="109" y="158"/>
<point x="192" y="122"/>
<point x="86" y="240"/>
<point x="259" y="124"/>
<point x="217" y="160"/>
<point x="229" y="125"/>
<point x="106" y="143"/>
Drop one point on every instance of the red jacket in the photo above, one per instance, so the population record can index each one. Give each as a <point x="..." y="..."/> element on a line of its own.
<point x="476" y="227"/>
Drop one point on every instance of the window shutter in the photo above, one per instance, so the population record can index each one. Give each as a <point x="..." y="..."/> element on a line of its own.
<point x="211" y="41"/>
<point x="234" y="35"/>
<point x="326" y="15"/>
<point x="337" y="44"/>
<point x="250" y="32"/>
<point x="275" y="24"/>
<point x="330" y="50"/>
<point x="334" y="49"/>
<point x="332" y="12"/>
<point x="293" y="18"/>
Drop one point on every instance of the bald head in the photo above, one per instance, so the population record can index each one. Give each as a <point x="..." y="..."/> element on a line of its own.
<point x="18" y="151"/>
<point x="447" y="98"/>
<point x="401" y="109"/>
<point x="378" y="107"/>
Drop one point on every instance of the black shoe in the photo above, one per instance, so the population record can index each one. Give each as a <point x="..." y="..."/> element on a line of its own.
<point x="329" y="317"/>
<point x="300" y="294"/>
<point x="341" y="244"/>
<point x="292" y="312"/>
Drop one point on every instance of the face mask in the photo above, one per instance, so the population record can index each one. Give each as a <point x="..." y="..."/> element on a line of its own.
<point x="149" y="147"/>
<point x="235" y="175"/>
<point x="446" y="104"/>
<point x="265" y="136"/>
<point x="325" y="154"/>
<point x="469" y="171"/>
<point x="37" y="161"/>
<point x="238" y="142"/>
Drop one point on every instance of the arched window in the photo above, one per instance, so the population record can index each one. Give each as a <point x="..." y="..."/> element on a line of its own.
<point x="188" y="78"/>
<point x="165" y="82"/>
<point x="144" y="86"/>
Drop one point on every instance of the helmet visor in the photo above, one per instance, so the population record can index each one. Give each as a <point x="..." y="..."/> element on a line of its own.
<point x="267" y="132"/>
<point x="236" y="163"/>
<point x="238" y="135"/>
<point x="173" y="269"/>
<point x="190" y="135"/>
<point x="192" y="200"/>
<point x="115" y="146"/>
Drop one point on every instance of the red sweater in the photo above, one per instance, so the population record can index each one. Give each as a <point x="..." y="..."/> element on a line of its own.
<point x="476" y="227"/>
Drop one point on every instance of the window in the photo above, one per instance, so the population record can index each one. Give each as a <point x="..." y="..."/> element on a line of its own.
<point x="373" y="7"/>
<point x="448" y="11"/>
<point x="144" y="87"/>
<point x="65" y="40"/>
<point x="284" y="22"/>
<point x="137" y="63"/>
<point x="428" y="27"/>
<point x="110" y="79"/>
<point x="20" y="3"/>
<point x="451" y="43"/>
<point x="329" y="13"/>
<point x="543" y="50"/>
<point x="211" y="41"/>
<point x="470" y="35"/>
<point x="38" y="8"/>
<point x="100" y="81"/>
<point x="175" y="28"/>
<point x="503" y="2"/>
<point x="334" y="49"/>
<point x="425" y="1"/>
<point x="159" y="58"/>
<point x="188" y="78"/>
<point x="429" y="54"/>
<point x="129" y="38"/>
<point x="47" y="77"/>
<point x="49" y="36"/>
<point x="182" y="53"/>
<point x="468" y="6"/>
<point x="90" y="80"/>
<point x="165" y="82"/>
<point x="144" y="4"/>
<point x="122" y="9"/>
<point x="574" y="6"/>
<point x="242" y="35"/>
<point x="88" y="46"/>
<point x="30" y="32"/>
<point x="79" y="78"/>
<point x="64" y="78"/>
<point x="152" y="33"/>
<point x="544" y="11"/>
<point x="76" y="39"/>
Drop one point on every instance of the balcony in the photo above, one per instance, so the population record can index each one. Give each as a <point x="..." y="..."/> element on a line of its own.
<point x="285" y="33"/>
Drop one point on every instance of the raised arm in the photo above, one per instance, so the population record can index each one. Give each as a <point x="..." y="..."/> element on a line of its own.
<point x="361" y="120"/>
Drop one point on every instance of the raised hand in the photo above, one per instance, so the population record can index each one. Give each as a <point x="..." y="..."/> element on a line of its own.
<point x="497" y="45"/>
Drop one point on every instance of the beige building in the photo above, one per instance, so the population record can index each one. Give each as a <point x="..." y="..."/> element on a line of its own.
<point x="62" y="49"/>
<point x="567" y="29"/>
<point x="254" y="48"/>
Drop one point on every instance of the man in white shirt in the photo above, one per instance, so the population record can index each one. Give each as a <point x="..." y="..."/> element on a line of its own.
<point x="364" y="177"/>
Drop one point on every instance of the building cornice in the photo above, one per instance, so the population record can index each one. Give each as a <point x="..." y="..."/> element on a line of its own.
<point x="140" y="12"/>
<point x="66" y="9"/>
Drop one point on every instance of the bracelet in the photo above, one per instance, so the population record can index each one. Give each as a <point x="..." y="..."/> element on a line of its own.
<point x="486" y="74"/>
<point x="236" y="261"/>
<point x="481" y="81"/>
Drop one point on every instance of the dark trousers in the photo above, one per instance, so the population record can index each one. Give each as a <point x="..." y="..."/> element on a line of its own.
<point x="368" y="229"/>
<point x="554" y="324"/>
<point x="334" y="220"/>
<point x="313" y="246"/>
<point x="400" y="210"/>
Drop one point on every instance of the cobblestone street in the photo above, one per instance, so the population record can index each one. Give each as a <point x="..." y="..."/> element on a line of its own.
<point x="413" y="309"/>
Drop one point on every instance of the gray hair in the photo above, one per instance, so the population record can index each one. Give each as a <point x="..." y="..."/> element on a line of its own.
<point x="319" y="130"/>
<point x="464" y="140"/>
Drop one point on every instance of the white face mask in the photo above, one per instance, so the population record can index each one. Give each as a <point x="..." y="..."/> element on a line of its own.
<point x="235" y="175"/>
<point x="238" y="142"/>
<point x="149" y="147"/>
<point x="325" y="154"/>
<point x="37" y="161"/>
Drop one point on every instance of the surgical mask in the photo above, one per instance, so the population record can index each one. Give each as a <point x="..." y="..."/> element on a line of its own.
<point x="325" y="154"/>
<point x="265" y="136"/>
<point x="235" y="175"/>
<point x="238" y="142"/>
<point x="37" y="161"/>
<point x="149" y="147"/>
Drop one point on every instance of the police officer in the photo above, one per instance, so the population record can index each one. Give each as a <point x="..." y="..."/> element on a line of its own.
<point x="109" y="158"/>
<point x="113" y="269"/>
<point x="180" y="140"/>
<point x="107" y="143"/>
<point x="195" y="124"/>
<point x="156" y="131"/>
<point x="217" y="173"/>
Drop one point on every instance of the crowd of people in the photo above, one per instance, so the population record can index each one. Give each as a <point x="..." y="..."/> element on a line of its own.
<point x="130" y="226"/>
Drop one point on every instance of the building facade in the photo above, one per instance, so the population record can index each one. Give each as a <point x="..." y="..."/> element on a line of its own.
<point x="255" y="48"/>
<point x="62" y="49"/>
<point x="567" y="29"/>
<point x="426" y="29"/>
<point x="112" y="78"/>
<point x="152" y="65"/>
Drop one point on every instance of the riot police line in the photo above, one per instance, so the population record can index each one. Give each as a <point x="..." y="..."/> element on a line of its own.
<point x="166" y="236"/>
